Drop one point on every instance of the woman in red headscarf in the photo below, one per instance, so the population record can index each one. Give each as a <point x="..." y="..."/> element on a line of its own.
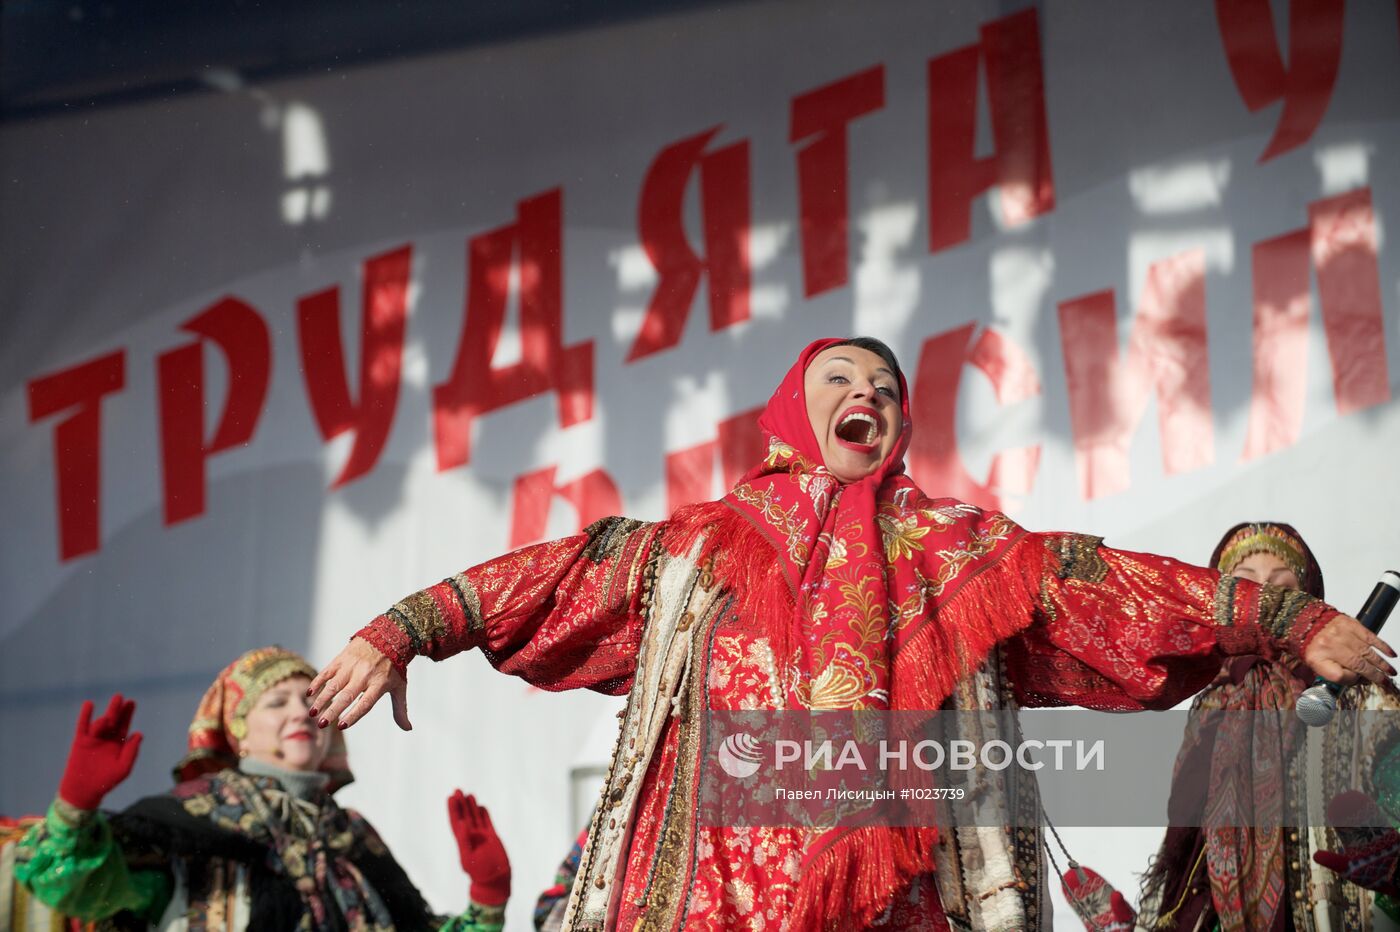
<point x="824" y="580"/>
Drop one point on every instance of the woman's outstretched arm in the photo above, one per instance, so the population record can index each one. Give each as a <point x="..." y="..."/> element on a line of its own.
<point x="1123" y="630"/>
<point x="561" y="615"/>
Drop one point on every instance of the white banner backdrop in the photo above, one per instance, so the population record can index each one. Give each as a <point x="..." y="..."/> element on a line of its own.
<point x="1134" y="259"/>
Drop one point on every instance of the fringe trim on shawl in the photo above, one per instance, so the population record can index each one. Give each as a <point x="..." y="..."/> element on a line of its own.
<point x="849" y="884"/>
<point x="958" y="636"/>
<point x="741" y="557"/>
<point x="866" y="868"/>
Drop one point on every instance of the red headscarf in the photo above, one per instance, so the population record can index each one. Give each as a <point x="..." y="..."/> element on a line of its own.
<point x="865" y="565"/>
<point x="826" y="535"/>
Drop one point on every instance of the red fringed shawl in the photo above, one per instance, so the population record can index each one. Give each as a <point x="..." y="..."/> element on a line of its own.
<point x="856" y="585"/>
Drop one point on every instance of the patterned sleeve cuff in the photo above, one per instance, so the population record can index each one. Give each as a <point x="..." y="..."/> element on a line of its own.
<point x="1268" y="616"/>
<point x="477" y="918"/>
<point x="64" y="815"/>
<point x="1296" y="633"/>
<point x="1237" y="642"/>
<point x="386" y="636"/>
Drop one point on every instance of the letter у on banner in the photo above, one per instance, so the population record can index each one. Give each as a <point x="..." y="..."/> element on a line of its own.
<point x="823" y="169"/>
<point x="724" y="202"/>
<point x="1166" y="352"/>
<point x="1020" y="165"/>
<point x="242" y="335"/>
<point x="1305" y="83"/>
<point x="383" y="312"/>
<point x="77" y="444"/>
<point x="476" y="387"/>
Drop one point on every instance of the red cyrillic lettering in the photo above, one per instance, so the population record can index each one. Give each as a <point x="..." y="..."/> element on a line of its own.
<point x="690" y="475"/>
<point x="1281" y="302"/>
<point x="1348" y="283"/>
<point x="77" y="444"/>
<point x="741" y="446"/>
<point x="690" y="472"/>
<point x="822" y="169"/>
<point x="594" y="495"/>
<point x="475" y="387"/>
<point x="934" y="459"/>
<point x="384" y="309"/>
<point x="1341" y="243"/>
<point x="1020" y="164"/>
<point x="724" y="199"/>
<point x="1304" y="84"/>
<point x="239" y="331"/>
<point x="1166" y="351"/>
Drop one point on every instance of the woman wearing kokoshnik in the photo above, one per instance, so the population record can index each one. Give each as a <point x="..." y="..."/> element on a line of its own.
<point x="251" y="836"/>
<point x="1248" y="857"/>
<point x="826" y="579"/>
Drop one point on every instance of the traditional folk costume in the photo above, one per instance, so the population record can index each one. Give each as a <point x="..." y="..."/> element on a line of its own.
<point x="796" y="591"/>
<point x="554" y="901"/>
<point x="20" y="910"/>
<point x="1234" y="873"/>
<point x="237" y="844"/>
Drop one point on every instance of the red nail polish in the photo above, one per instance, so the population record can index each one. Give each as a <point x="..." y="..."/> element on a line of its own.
<point x="311" y="711"/>
<point x="323" y="723"/>
<point x="341" y="725"/>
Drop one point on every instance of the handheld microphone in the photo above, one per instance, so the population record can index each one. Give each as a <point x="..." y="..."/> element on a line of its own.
<point x="1318" y="703"/>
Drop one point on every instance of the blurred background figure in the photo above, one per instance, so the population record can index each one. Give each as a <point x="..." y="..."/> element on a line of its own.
<point x="251" y="836"/>
<point x="1234" y="874"/>
<point x="554" y="901"/>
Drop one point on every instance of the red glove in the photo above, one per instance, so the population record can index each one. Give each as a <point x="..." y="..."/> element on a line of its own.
<point x="1370" y="851"/>
<point x="102" y="754"/>
<point x="483" y="856"/>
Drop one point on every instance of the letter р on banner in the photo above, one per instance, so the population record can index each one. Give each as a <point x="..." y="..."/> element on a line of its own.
<point x="382" y="317"/>
<point x="77" y="444"/>
<point x="476" y="387"/>
<point x="242" y="335"/>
